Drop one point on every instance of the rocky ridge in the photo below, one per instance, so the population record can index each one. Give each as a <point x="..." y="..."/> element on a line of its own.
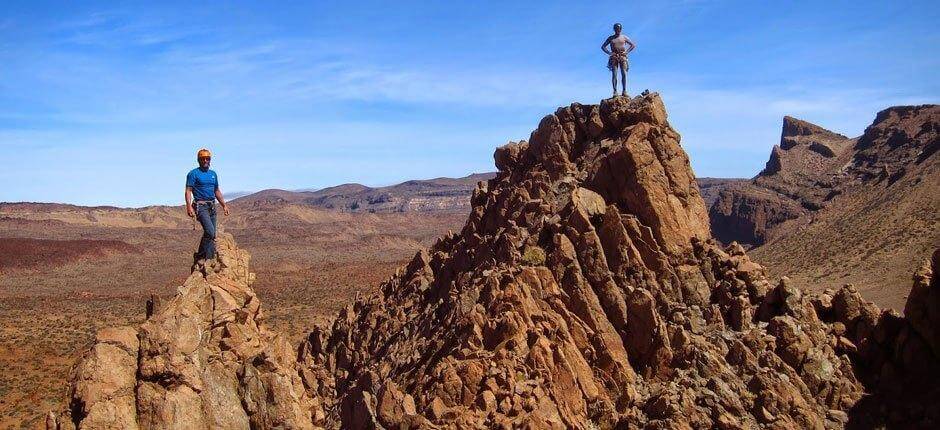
<point x="797" y="180"/>
<point x="584" y="291"/>
<point x="867" y="216"/>
<point x="202" y="360"/>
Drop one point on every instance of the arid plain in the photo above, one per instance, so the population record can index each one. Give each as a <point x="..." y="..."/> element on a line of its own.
<point x="75" y="270"/>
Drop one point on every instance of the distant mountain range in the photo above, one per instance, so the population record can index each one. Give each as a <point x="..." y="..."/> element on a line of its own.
<point x="424" y="195"/>
<point x="418" y="195"/>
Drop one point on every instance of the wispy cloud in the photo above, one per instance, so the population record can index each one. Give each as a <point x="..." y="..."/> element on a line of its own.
<point x="120" y="29"/>
<point x="210" y="75"/>
<point x="434" y="85"/>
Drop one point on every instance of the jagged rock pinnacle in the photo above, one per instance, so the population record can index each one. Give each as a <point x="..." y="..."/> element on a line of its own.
<point x="584" y="292"/>
<point x="202" y="360"/>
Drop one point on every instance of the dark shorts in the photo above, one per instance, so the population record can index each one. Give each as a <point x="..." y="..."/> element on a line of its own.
<point x="618" y="61"/>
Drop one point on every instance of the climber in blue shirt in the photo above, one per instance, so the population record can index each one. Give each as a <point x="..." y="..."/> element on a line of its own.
<point x="202" y="190"/>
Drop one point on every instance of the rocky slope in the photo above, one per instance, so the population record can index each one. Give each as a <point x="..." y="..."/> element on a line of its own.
<point x="830" y="210"/>
<point x="798" y="179"/>
<point x="883" y="218"/>
<point x="584" y="291"/>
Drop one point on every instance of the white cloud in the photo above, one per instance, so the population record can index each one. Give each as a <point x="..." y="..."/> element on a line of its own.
<point x="197" y="90"/>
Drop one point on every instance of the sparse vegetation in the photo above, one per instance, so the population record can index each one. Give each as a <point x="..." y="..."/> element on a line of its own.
<point x="533" y="256"/>
<point x="309" y="263"/>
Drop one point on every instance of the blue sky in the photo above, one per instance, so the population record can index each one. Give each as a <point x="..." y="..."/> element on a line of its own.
<point x="107" y="104"/>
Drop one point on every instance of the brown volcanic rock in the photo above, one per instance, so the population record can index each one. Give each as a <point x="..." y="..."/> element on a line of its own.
<point x="748" y="213"/>
<point x="896" y="357"/>
<point x="898" y="138"/>
<point x="923" y="305"/>
<point x="805" y="151"/>
<point x="202" y="360"/>
<point x="864" y="211"/>
<point x="632" y="319"/>
<point x="583" y="292"/>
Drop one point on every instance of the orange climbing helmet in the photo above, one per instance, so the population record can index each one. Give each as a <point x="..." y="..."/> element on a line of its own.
<point x="203" y="153"/>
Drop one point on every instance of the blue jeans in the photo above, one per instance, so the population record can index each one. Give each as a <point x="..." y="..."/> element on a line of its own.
<point x="205" y="213"/>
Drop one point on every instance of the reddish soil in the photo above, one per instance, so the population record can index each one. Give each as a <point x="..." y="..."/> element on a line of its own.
<point x="90" y="268"/>
<point x="24" y="253"/>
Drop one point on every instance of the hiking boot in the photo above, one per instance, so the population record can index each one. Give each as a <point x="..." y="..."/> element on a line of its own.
<point x="624" y="94"/>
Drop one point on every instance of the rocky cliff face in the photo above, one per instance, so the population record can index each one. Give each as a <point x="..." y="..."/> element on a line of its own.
<point x="899" y="139"/>
<point x="879" y="218"/>
<point x="583" y="292"/>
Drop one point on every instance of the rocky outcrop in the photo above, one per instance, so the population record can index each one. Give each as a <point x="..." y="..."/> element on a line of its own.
<point x="923" y="304"/>
<point x="202" y="360"/>
<point x="877" y="218"/>
<point x="798" y="132"/>
<point x="805" y="151"/>
<point x="897" y="357"/>
<point x="899" y="138"/>
<point x="584" y="292"/>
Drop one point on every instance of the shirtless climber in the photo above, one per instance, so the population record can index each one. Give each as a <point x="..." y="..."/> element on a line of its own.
<point x="618" y="56"/>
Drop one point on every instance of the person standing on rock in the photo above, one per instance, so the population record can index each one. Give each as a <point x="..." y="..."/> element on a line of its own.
<point x="202" y="190"/>
<point x="618" y="56"/>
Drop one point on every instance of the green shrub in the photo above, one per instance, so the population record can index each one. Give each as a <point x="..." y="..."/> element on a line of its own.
<point x="533" y="256"/>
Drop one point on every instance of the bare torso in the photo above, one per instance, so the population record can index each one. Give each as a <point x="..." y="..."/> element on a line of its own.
<point x="618" y="43"/>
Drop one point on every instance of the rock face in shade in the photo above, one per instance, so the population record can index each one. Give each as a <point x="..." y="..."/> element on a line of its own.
<point x="583" y="292"/>
<point x="748" y="214"/>
<point x="202" y="360"/>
